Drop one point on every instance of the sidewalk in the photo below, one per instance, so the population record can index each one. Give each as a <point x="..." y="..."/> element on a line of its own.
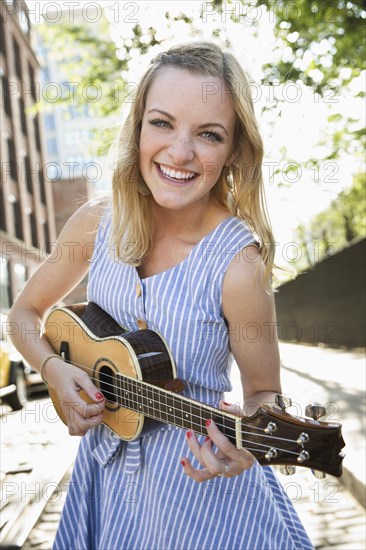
<point x="333" y="378"/>
<point x="333" y="519"/>
<point x="336" y="379"/>
<point x="331" y="509"/>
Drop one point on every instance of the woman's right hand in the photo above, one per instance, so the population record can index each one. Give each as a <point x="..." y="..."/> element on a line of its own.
<point x="67" y="381"/>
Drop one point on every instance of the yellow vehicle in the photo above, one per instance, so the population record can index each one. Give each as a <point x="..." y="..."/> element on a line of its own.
<point x="17" y="379"/>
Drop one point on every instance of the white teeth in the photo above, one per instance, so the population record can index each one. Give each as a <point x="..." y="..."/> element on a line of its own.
<point x="176" y="174"/>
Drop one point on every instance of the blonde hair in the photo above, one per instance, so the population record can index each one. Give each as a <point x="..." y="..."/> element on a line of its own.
<point x="239" y="187"/>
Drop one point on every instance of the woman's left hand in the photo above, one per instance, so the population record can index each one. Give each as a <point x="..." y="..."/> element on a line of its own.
<point x="228" y="461"/>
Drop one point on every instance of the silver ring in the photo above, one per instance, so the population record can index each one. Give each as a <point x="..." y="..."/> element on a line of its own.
<point x="226" y="466"/>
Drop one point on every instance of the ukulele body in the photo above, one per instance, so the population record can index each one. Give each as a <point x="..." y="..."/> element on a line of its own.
<point x="102" y="352"/>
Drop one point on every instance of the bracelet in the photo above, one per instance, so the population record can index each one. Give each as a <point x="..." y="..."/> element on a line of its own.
<point x="44" y="362"/>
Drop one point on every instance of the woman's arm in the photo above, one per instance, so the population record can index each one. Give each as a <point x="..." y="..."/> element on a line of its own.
<point x="250" y="312"/>
<point x="56" y="277"/>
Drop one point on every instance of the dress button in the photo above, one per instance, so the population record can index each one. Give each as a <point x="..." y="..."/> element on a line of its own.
<point x="141" y="324"/>
<point x="138" y="290"/>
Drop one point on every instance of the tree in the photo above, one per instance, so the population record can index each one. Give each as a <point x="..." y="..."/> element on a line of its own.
<point x="322" y="40"/>
<point x="339" y="225"/>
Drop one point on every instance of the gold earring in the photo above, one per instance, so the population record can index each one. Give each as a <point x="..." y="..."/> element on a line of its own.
<point x="142" y="188"/>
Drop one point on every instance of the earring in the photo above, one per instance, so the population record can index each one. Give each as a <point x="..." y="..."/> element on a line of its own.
<point x="229" y="179"/>
<point x="142" y="188"/>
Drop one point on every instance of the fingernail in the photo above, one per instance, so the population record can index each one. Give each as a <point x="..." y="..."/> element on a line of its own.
<point x="189" y="435"/>
<point x="182" y="463"/>
<point x="208" y="423"/>
<point x="99" y="395"/>
<point x="207" y="439"/>
<point x="226" y="404"/>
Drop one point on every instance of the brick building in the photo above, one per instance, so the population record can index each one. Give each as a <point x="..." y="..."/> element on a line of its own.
<point x="27" y="222"/>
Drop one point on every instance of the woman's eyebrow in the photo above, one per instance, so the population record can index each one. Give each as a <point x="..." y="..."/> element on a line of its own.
<point x="173" y="119"/>
<point x="163" y="113"/>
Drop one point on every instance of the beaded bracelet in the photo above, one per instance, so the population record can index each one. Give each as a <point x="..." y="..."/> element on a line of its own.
<point x="44" y="362"/>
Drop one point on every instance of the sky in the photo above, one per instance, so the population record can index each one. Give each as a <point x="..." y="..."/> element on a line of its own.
<point x="303" y="121"/>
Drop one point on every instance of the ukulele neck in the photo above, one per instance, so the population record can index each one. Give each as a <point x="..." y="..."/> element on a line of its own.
<point x="168" y="407"/>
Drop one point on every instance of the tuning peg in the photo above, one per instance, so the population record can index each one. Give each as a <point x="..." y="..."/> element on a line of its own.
<point x="283" y="401"/>
<point x="318" y="474"/>
<point x="315" y="411"/>
<point x="287" y="470"/>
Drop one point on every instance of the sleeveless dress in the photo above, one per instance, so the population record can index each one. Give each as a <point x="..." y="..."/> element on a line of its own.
<point x="134" y="495"/>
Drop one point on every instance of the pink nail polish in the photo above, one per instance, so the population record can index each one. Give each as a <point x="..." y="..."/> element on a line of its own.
<point x="99" y="396"/>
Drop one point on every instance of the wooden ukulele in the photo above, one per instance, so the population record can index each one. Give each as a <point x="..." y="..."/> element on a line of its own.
<point x="136" y="373"/>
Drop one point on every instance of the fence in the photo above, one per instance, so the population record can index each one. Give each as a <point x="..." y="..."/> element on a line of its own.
<point x="327" y="303"/>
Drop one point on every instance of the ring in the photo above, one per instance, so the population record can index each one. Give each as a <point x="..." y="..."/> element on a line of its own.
<point x="226" y="466"/>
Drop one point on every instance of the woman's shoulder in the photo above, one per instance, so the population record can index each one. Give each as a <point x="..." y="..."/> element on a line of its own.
<point x="88" y="216"/>
<point x="82" y="227"/>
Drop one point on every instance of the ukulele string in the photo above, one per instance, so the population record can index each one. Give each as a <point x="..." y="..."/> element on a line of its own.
<point x="193" y="416"/>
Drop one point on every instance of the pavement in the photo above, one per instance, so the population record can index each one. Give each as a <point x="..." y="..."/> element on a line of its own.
<point x="335" y="378"/>
<point x="331" y="509"/>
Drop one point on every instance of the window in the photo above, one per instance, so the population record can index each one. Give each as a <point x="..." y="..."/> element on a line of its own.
<point x="37" y="133"/>
<point x="18" y="220"/>
<point x="28" y="175"/>
<point x="32" y="82"/>
<point x="23" y="120"/>
<point x="73" y="112"/>
<point x="23" y="21"/>
<point x="18" y="63"/>
<point x="47" y="237"/>
<point x="52" y="148"/>
<point x="6" y="95"/>
<point x="33" y="229"/>
<point x="2" y="38"/>
<point x="42" y="185"/>
<point x="2" y="210"/>
<point x="12" y="160"/>
<point x="20" y="277"/>
<point x="49" y="122"/>
<point x="5" y="290"/>
<point x="46" y="75"/>
<point x="76" y="137"/>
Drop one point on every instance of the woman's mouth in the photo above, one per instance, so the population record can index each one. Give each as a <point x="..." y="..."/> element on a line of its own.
<point x="176" y="176"/>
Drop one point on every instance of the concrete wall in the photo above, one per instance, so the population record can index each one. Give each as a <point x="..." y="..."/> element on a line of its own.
<point x="327" y="303"/>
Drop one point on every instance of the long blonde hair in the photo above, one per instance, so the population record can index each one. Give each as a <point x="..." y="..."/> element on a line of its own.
<point x="239" y="187"/>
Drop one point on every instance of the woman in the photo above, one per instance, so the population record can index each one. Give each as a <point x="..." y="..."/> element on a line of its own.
<point x="184" y="249"/>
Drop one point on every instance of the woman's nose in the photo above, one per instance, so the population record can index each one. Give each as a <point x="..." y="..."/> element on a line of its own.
<point x="181" y="150"/>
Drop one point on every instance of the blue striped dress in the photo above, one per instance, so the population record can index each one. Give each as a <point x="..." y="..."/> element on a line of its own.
<point x="135" y="496"/>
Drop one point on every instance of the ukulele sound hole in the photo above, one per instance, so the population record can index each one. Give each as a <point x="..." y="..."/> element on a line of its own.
<point x="107" y="383"/>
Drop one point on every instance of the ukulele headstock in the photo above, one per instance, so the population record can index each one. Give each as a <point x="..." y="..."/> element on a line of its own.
<point x="276" y="437"/>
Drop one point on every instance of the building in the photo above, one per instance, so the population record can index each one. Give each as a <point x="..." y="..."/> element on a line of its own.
<point x="27" y="228"/>
<point x="69" y="126"/>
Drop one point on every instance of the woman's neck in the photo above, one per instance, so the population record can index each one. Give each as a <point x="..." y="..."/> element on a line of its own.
<point x="190" y="224"/>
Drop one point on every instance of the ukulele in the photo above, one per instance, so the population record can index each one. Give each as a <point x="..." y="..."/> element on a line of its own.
<point x="137" y="375"/>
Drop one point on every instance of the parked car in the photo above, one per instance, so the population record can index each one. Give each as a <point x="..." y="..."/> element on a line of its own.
<point x="17" y="379"/>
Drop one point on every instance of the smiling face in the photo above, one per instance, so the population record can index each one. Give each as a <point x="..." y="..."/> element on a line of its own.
<point x="186" y="137"/>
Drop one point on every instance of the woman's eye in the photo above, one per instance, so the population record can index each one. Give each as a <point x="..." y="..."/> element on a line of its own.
<point x="212" y="136"/>
<point x="160" y="122"/>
